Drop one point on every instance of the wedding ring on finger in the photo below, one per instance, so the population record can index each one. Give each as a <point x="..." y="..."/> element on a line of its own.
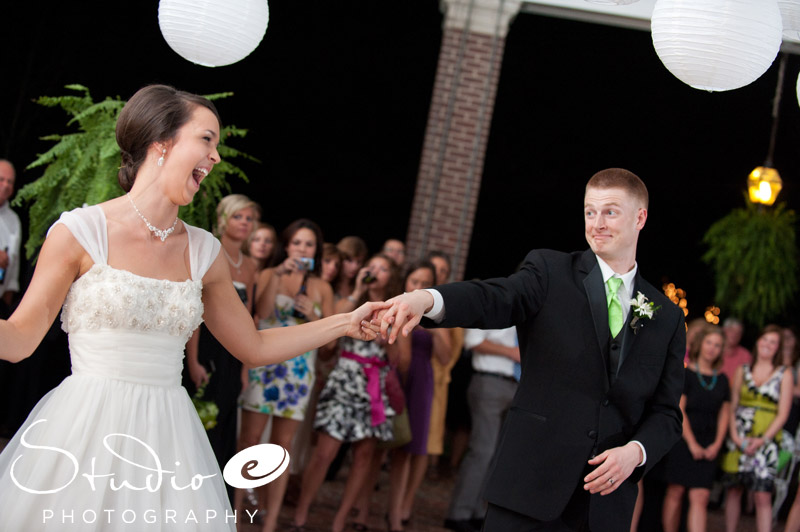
<point x="611" y="481"/>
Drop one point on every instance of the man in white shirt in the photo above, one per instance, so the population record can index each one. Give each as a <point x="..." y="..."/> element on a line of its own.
<point x="490" y="392"/>
<point x="10" y="235"/>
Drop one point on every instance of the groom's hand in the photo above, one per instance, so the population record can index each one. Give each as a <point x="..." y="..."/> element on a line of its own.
<point x="613" y="467"/>
<point x="404" y="314"/>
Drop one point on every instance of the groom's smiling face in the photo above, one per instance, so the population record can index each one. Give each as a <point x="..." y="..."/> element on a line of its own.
<point x="613" y="219"/>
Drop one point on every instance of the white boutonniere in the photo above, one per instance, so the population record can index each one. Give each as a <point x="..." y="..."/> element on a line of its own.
<point x="642" y="309"/>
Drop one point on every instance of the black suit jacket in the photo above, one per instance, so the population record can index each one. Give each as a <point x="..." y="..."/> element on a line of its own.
<point x="566" y="408"/>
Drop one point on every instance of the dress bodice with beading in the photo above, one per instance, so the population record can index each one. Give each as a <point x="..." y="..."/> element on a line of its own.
<point x="148" y="320"/>
<point x="107" y="298"/>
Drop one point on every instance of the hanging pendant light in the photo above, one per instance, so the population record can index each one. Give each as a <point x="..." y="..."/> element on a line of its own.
<point x="716" y="45"/>
<point x="213" y="32"/>
<point x="764" y="182"/>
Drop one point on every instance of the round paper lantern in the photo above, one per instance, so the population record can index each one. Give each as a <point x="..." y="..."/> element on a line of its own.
<point x="213" y="32"/>
<point x="790" y="14"/>
<point x="798" y="89"/>
<point x="716" y="45"/>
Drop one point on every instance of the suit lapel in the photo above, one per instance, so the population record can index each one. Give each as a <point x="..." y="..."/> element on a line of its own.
<point x="596" y="294"/>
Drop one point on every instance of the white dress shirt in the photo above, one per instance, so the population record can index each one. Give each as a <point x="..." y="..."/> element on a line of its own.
<point x="489" y="363"/>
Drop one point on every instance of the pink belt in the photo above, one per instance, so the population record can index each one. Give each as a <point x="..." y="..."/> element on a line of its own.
<point x="372" y="370"/>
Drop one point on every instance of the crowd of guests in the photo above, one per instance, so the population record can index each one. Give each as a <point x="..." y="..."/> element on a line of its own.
<point x="740" y="417"/>
<point x="388" y="404"/>
<point x="385" y="403"/>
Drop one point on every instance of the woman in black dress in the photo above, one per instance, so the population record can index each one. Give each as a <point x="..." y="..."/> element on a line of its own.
<point x="705" y="403"/>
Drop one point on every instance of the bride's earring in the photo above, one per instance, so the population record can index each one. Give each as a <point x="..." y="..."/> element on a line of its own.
<point x="161" y="159"/>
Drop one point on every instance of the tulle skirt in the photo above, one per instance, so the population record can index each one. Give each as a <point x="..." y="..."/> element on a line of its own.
<point x="99" y="453"/>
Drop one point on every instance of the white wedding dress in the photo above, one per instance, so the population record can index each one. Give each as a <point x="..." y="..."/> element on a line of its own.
<point x="116" y="445"/>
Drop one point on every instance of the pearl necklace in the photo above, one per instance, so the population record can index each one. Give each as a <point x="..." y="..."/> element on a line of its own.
<point x="237" y="264"/>
<point x="160" y="233"/>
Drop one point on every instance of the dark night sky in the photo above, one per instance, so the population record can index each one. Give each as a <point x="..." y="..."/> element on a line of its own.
<point x="336" y="100"/>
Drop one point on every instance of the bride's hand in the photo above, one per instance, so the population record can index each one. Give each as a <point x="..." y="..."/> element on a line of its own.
<point x="360" y="325"/>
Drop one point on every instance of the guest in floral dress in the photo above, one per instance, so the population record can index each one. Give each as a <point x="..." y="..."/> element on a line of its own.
<point x="761" y="397"/>
<point x="291" y="293"/>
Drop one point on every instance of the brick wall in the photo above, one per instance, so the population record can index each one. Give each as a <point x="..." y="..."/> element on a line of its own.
<point x="451" y="166"/>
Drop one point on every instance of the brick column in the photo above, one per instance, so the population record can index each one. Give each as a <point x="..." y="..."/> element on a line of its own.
<point x="451" y="167"/>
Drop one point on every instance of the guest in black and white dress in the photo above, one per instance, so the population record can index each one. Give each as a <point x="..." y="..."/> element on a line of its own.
<point x="354" y="406"/>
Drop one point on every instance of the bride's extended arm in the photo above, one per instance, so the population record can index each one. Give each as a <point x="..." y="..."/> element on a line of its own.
<point x="229" y="322"/>
<point x="58" y="266"/>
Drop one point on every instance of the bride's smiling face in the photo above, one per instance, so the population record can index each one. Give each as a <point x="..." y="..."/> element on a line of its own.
<point x="191" y="155"/>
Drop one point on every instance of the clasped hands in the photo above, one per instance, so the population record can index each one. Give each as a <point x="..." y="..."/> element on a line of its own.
<point x="399" y="315"/>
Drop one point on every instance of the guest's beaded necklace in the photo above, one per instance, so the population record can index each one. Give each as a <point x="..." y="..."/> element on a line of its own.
<point x="710" y="384"/>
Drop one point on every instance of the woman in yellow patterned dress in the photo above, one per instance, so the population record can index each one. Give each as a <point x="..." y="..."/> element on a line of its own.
<point x="761" y="397"/>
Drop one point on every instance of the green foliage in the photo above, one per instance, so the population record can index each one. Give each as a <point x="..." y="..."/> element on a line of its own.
<point x="207" y="411"/>
<point x="81" y="167"/>
<point x="753" y="254"/>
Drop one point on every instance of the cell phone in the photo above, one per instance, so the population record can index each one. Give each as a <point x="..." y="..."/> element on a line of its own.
<point x="368" y="278"/>
<point x="306" y="263"/>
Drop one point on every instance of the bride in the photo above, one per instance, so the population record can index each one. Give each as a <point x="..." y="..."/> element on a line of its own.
<point x="118" y="445"/>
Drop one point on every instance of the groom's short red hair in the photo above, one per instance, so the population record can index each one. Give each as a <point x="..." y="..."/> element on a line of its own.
<point x="621" y="178"/>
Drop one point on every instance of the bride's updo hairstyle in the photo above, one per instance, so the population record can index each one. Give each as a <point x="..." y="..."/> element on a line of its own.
<point x="154" y="114"/>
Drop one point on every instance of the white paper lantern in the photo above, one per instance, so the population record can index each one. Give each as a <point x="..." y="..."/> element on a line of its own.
<point x="716" y="45"/>
<point x="790" y="14"/>
<point x="798" y="89"/>
<point x="213" y="32"/>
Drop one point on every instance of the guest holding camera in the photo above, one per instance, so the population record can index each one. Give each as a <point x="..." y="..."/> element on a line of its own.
<point x="292" y="294"/>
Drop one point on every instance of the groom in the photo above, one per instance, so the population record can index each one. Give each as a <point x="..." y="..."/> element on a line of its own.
<point x="597" y="404"/>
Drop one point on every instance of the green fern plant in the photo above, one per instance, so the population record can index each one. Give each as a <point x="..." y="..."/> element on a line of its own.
<point x="753" y="254"/>
<point x="81" y="167"/>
